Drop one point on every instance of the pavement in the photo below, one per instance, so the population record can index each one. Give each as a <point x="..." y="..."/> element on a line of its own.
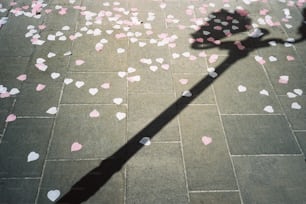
<point x="152" y="101"/>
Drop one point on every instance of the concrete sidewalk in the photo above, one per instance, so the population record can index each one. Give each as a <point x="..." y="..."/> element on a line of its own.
<point x="152" y="101"/>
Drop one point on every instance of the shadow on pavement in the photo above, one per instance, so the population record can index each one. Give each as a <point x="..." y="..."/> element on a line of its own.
<point x="220" y="25"/>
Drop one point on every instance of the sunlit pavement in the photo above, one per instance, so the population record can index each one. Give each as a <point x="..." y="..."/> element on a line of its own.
<point x="152" y="101"/>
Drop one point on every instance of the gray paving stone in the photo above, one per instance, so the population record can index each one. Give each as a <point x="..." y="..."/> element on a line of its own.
<point x="57" y="46"/>
<point x="6" y="106"/>
<point x="12" y="67"/>
<point x="6" y="103"/>
<point x="295" y="70"/>
<point x="107" y="60"/>
<point x="65" y="2"/>
<point x="156" y="175"/>
<point x="296" y="117"/>
<point x="295" y="20"/>
<point x="15" y="46"/>
<point x="5" y="5"/>
<point x="301" y="137"/>
<point x="12" y="36"/>
<point x="300" y="48"/>
<point x="157" y="80"/>
<point x="55" y="21"/>
<point x="149" y="51"/>
<point x="18" y="190"/>
<point x="158" y="24"/>
<point x="142" y="111"/>
<point x="141" y="5"/>
<point x="63" y="175"/>
<point x="255" y="8"/>
<point x="215" y="198"/>
<point x="74" y="95"/>
<point x="178" y="10"/>
<point x="22" y="137"/>
<point x="185" y="65"/>
<point x="17" y="26"/>
<point x="255" y="134"/>
<point x="208" y="166"/>
<point x="207" y="97"/>
<point x="249" y="74"/>
<point x="182" y="43"/>
<point x="280" y="50"/>
<point x="271" y="179"/>
<point x="98" y="6"/>
<point x="55" y="66"/>
<point x="183" y="58"/>
<point x="35" y="103"/>
<point x="100" y="137"/>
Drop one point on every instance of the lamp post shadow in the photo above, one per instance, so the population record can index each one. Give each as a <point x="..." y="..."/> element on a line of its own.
<point x="90" y="183"/>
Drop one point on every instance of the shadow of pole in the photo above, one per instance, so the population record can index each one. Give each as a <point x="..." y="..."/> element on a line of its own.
<point x="89" y="184"/>
<point x="96" y="178"/>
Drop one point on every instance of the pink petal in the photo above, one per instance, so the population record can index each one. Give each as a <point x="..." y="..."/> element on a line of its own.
<point x="10" y="118"/>
<point x="22" y="77"/>
<point x="40" y="87"/>
<point x="94" y="114"/>
<point x="206" y="140"/>
<point x="76" y="147"/>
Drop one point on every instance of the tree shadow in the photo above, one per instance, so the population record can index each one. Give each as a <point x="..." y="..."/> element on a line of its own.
<point x="220" y="25"/>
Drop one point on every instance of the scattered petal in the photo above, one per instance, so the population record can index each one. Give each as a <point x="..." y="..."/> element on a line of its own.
<point x="186" y="93"/>
<point x="260" y="60"/>
<point x="256" y="33"/>
<point x="79" y="62"/>
<point x="264" y="92"/>
<point x="213" y="74"/>
<point x="53" y="195"/>
<point x="93" y="91"/>
<point x="131" y="70"/>
<point x="10" y="118"/>
<point x="79" y="84"/>
<point x="120" y="115"/>
<point x="291" y="95"/>
<point x="134" y="78"/>
<point x="183" y="81"/>
<point x="272" y="59"/>
<point x="68" y="81"/>
<point x="213" y="58"/>
<point x="120" y="50"/>
<point x="51" y="54"/>
<point x="153" y="68"/>
<point x="94" y="114"/>
<point x="298" y="92"/>
<point x="76" y="147"/>
<point x="269" y="109"/>
<point x="122" y="74"/>
<point x="206" y="140"/>
<point x="22" y="77"/>
<point x="32" y="156"/>
<point x="105" y="86"/>
<point x="14" y="91"/>
<point x="52" y="111"/>
<point x="55" y="75"/>
<point x="117" y="101"/>
<point x="290" y="58"/>
<point x="283" y="79"/>
<point x="296" y="106"/>
<point x="40" y="87"/>
<point x="145" y="141"/>
<point x="242" y="88"/>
